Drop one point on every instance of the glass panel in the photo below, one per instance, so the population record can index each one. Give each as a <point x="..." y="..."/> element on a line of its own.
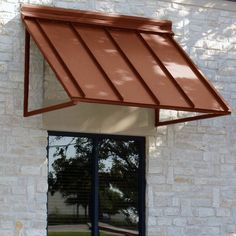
<point x="69" y="186"/>
<point x="118" y="187"/>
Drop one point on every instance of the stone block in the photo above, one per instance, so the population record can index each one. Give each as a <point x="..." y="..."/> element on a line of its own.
<point x="223" y="212"/>
<point x="161" y="221"/>
<point x="206" y="212"/>
<point x="171" y="211"/>
<point x="180" y="221"/>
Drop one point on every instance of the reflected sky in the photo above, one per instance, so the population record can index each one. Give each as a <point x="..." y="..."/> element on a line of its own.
<point x="54" y="143"/>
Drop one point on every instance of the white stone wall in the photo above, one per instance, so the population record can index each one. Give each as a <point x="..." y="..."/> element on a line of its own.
<point x="23" y="172"/>
<point x="191" y="168"/>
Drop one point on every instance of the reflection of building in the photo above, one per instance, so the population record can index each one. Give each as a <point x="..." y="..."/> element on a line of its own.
<point x="191" y="188"/>
<point x="57" y="206"/>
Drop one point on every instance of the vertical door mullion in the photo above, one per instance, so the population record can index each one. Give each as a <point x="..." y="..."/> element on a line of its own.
<point x="142" y="188"/>
<point x="47" y="180"/>
<point x="95" y="190"/>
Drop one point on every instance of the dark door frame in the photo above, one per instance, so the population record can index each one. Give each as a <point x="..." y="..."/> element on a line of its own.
<point x="141" y="178"/>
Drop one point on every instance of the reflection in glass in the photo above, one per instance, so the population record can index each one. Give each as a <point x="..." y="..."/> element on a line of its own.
<point x="69" y="185"/>
<point x="71" y="179"/>
<point x="118" y="186"/>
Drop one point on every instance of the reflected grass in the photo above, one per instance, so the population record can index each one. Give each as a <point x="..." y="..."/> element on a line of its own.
<point x="76" y="234"/>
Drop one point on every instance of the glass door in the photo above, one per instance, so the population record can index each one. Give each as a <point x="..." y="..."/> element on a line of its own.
<point x="69" y="183"/>
<point x="119" y="186"/>
<point x="96" y="185"/>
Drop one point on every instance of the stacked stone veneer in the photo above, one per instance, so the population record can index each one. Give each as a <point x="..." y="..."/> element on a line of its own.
<point x="191" y="168"/>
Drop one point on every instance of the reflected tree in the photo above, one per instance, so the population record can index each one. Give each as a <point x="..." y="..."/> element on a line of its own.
<point x="120" y="177"/>
<point x="71" y="175"/>
<point x="118" y="170"/>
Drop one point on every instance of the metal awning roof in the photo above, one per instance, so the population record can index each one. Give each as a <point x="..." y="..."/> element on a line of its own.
<point x="123" y="60"/>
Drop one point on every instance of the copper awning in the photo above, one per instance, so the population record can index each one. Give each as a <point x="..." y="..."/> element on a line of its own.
<point x="123" y="60"/>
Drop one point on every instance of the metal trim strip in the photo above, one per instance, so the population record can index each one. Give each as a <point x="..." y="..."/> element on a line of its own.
<point x="95" y="18"/>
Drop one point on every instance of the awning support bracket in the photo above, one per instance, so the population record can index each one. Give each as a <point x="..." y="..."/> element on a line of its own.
<point x="157" y="116"/>
<point x="26" y="86"/>
<point x="186" y="119"/>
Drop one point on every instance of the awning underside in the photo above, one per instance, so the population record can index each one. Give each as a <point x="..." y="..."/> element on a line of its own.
<point x="121" y="60"/>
